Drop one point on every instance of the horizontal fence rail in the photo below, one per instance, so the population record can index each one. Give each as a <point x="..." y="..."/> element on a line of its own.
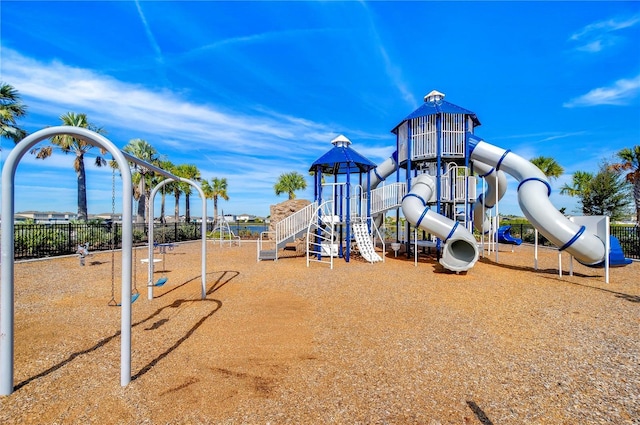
<point x="629" y="237"/>
<point x="49" y="240"/>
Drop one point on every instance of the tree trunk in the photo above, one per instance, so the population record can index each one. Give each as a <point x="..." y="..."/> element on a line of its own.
<point x="141" y="212"/>
<point x="176" y="209"/>
<point x="215" y="209"/>
<point x="187" y="209"/>
<point x="162" y="219"/>
<point x="142" y="202"/>
<point x="82" y="190"/>
<point x="636" y="198"/>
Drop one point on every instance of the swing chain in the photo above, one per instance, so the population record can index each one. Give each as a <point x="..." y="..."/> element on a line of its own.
<point x="134" y="291"/>
<point x="113" y="302"/>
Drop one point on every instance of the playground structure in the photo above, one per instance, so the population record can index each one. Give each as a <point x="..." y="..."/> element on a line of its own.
<point x="222" y="232"/>
<point x="437" y="150"/>
<point x="436" y="156"/>
<point x="341" y="217"/>
<point x="122" y="159"/>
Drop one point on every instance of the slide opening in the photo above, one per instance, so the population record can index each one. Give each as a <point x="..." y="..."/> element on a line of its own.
<point x="462" y="251"/>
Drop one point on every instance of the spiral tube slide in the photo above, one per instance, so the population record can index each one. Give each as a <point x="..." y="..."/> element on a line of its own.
<point x="496" y="188"/>
<point x="533" y="197"/>
<point x="460" y="250"/>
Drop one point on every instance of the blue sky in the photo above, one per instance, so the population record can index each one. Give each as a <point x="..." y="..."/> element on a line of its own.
<point x="250" y="90"/>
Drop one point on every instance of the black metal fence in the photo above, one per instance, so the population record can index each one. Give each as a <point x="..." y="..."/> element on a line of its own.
<point x="47" y="240"/>
<point x="629" y="237"/>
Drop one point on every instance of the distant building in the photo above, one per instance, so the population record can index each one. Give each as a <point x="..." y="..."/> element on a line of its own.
<point x="106" y="216"/>
<point x="245" y="217"/>
<point x="45" y="216"/>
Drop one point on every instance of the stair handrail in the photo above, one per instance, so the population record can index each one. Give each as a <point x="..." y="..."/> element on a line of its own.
<point x="264" y="235"/>
<point x="387" y="197"/>
<point x="325" y="209"/>
<point x="294" y="223"/>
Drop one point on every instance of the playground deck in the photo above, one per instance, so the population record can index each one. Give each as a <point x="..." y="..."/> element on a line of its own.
<point x="277" y="342"/>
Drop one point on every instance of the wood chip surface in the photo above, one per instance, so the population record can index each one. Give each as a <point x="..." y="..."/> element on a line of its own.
<point x="283" y="343"/>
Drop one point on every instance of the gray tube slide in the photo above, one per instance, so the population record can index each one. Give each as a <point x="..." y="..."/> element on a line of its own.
<point x="384" y="170"/>
<point x="460" y="250"/>
<point x="533" y="197"/>
<point x="496" y="188"/>
<point x="378" y="175"/>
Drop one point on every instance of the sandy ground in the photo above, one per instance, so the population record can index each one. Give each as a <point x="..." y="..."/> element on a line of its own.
<point x="281" y="343"/>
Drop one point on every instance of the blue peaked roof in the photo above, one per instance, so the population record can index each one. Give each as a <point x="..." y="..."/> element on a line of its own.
<point x="440" y="107"/>
<point x="342" y="160"/>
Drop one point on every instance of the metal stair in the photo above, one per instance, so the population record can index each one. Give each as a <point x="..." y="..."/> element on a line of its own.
<point x="321" y="235"/>
<point x="286" y="231"/>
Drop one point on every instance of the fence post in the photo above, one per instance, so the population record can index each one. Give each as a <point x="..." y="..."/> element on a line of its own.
<point x="69" y="232"/>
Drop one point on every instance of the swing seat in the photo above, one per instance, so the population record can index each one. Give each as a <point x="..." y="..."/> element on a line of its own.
<point x="161" y="281"/>
<point x="134" y="297"/>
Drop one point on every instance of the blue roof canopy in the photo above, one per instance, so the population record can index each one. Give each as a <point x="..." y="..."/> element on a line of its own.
<point x="342" y="159"/>
<point x="434" y="104"/>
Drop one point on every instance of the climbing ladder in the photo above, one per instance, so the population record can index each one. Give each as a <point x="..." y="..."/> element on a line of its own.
<point x="286" y="231"/>
<point x="364" y="240"/>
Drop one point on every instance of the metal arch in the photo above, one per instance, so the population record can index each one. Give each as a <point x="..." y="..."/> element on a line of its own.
<point x="8" y="241"/>
<point x="150" y="232"/>
<point x="150" y="167"/>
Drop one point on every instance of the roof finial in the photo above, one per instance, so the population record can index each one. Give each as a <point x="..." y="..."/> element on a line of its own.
<point x="341" y="142"/>
<point x="434" y="96"/>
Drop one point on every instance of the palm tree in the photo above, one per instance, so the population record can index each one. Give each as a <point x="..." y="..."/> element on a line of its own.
<point x="631" y="162"/>
<point x="579" y="184"/>
<point x="608" y="194"/>
<point x="11" y="108"/>
<point x="548" y="166"/>
<point x="217" y="189"/>
<point x="191" y="172"/>
<point x="580" y="187"/>
<point x="167" y="188"/>
<point x="70" y="144"/>
<point x="177" y="191"/>
<point x="290" y="182"/>
<point x="141" y="149"/>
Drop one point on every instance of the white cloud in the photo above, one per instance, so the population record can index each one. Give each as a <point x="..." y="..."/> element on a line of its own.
<point x="597" y="36"/>
<point x="150" y="36"/>
<point x="52" y="87"/>
<point x="594" y="46"/>
<point x="605" y="26"/>
<point x="620" y="93"/>
<point x="254" y="145"/>
<point x="393" y="71"/>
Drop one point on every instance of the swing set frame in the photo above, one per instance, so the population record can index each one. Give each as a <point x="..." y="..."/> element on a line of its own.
<point x="7" y="287"/>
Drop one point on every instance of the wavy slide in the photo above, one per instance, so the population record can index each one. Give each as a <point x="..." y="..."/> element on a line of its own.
<point x="533" y="197"/>
<point x="460" y="250"/>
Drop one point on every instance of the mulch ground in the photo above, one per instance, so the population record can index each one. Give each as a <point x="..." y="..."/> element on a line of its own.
<point x="283" y="343"/>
